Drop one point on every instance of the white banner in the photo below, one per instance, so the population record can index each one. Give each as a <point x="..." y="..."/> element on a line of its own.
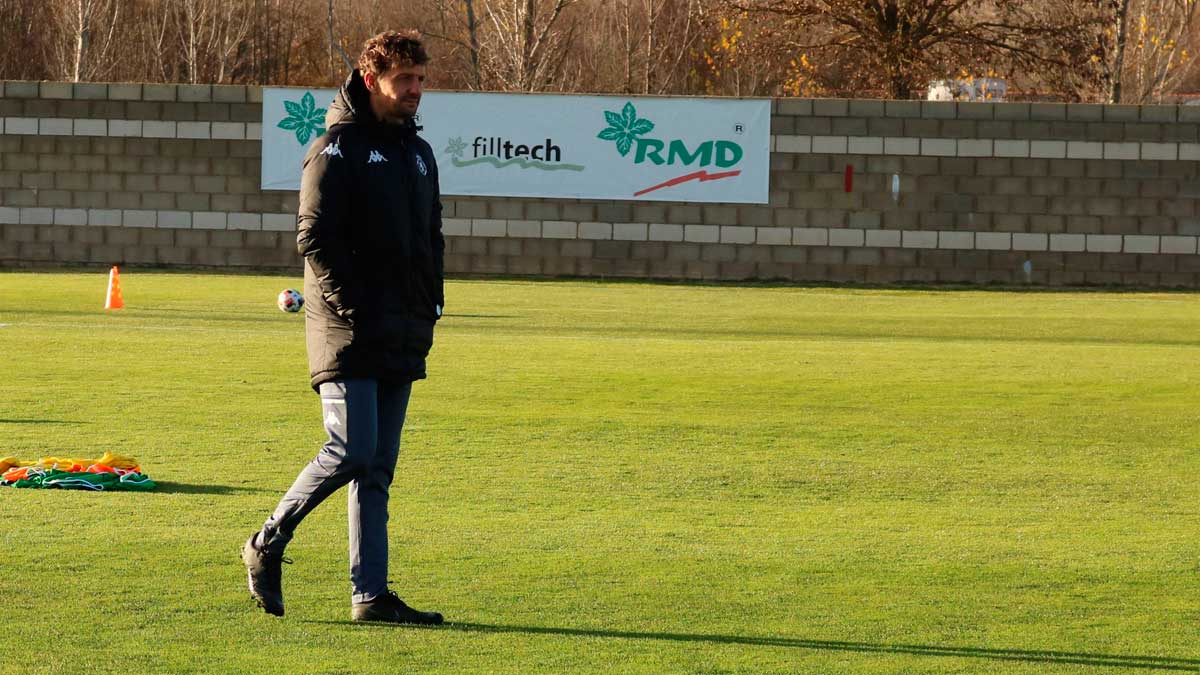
<point x="292" y="120"/>
<point x="574" y="147"/>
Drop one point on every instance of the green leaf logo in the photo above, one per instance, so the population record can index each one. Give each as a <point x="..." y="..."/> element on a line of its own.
<point x="624" y="128"/>
<point x="304" y="117"/>
<point x="456" y="147"/>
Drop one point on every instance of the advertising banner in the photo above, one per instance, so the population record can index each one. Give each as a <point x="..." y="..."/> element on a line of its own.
<point x="573" y="147"/>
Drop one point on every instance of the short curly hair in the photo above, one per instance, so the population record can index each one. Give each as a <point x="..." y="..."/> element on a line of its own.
<point x="392" y="49"/>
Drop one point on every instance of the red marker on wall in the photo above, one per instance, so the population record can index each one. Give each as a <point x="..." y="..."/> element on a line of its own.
<point x="849" y="178"/>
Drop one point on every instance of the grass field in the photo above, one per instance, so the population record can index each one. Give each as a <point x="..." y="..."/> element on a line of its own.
<point x="620" y="477"/>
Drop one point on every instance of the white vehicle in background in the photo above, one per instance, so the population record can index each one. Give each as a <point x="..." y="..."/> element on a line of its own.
<point x="972" y="89"/>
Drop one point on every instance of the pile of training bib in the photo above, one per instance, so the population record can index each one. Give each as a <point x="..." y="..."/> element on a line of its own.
<point x="110" y="472"/>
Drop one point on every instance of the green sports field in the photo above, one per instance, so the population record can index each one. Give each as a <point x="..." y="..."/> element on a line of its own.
<point x="621" y="477"/>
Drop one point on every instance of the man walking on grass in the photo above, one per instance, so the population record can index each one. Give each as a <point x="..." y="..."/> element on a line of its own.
<point x="370" y="231"/>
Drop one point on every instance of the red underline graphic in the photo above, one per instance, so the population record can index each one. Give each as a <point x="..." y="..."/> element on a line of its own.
<point x="703" y="176"/>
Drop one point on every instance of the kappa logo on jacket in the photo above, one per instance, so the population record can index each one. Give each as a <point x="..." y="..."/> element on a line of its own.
<point x="421" y="166"/>
<point x="376" y="157"/>
<point x="334" y="150"/>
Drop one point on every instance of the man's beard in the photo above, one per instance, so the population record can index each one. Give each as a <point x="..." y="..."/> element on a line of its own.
<point x="400" y="113"/>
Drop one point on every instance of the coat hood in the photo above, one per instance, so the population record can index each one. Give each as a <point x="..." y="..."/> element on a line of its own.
<point x="352" y="105"/>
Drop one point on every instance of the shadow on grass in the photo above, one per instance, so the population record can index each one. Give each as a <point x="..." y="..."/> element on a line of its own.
<point x="876" y="336"/>
<point x="172" y="488"/>
<point x="198" y="318"/>
<point x="4" y="421"/>
<point x="907" y="286"/>
<point x="1019" y="655"/>
<point x="195" y="317"/>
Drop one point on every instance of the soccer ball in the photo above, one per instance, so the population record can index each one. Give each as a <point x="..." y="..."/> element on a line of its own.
<point x="290" y="300"/>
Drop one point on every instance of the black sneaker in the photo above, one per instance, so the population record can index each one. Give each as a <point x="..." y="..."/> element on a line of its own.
<point x="388" y="607"/>
<point x="264" y="571"/>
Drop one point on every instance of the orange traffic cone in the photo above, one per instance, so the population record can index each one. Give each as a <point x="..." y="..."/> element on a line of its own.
<point x="113" y="299"/>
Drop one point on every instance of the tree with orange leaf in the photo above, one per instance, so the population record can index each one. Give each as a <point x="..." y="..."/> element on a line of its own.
<point x="896" y="47"/>
<point x="1152" y="46"/>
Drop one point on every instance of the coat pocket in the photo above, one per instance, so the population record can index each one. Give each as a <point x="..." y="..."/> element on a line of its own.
<point x="418" y="338"/>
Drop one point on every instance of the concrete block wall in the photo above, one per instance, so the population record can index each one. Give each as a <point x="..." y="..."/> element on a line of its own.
<point x="138" y="174"/>
<point x="988" y="192"/>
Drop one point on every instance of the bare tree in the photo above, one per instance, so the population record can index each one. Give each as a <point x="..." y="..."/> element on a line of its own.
<point x="23" y="46"/>
<point x="154" y="31"/>
<point x="273" y="44"/>
<point x="657" y="37"/>
<point x="1152" y="48"/>
<point x="1120" y="25"/>
<point x="335" y="45"/>
<point x="530" y="42"/>
<point x="900" y="45"/>
<point x="1119" y="50"/>
<point x="472" y="26"/>
<point x="86" y="48"/>
<point x="459" y="29"/>
<point x="209" y="33"/>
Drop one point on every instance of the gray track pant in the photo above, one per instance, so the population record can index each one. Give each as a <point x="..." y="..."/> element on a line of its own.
<point x="364" y="419"/>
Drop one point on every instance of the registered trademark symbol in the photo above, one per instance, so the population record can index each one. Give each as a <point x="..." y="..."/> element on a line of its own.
<point x="739" y="128"/>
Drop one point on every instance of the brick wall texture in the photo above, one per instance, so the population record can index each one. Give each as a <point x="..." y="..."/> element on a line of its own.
<point x="1047" y="194"/>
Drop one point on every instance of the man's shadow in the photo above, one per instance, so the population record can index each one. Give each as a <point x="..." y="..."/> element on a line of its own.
<point x="175" y="488"/>
<point x="1018" y="655"/>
